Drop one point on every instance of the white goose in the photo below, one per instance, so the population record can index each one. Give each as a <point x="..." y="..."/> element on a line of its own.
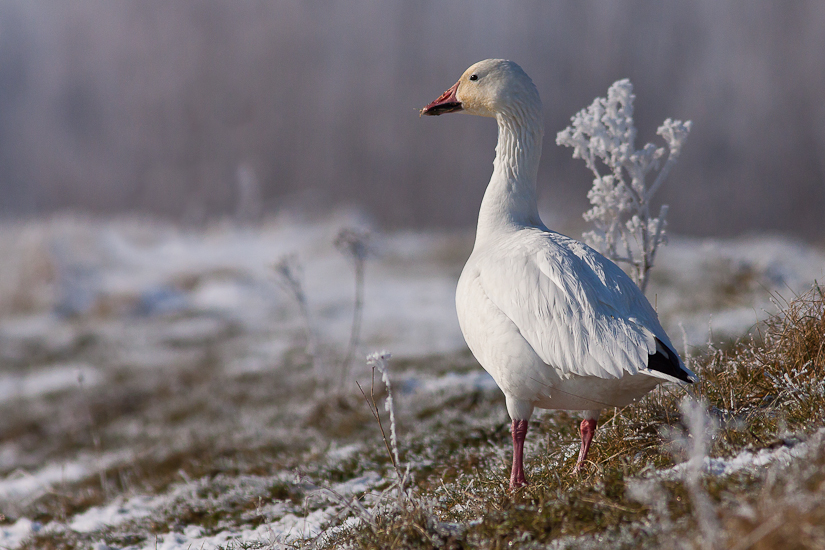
<point x="556" y="324"/>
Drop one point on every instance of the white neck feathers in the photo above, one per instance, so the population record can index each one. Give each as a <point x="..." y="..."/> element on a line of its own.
<point x="510" y="199"/>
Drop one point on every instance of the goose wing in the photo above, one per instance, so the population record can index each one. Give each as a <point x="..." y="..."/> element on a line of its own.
<point x="578" y="310"/>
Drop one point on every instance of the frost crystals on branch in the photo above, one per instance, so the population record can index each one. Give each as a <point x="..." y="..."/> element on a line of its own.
<point x="380" y="361"/>
<point x="625" y="230"/>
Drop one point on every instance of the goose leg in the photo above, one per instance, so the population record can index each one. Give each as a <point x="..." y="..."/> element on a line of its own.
<point x="517" y="478"/>
<point x="588" y="430"/>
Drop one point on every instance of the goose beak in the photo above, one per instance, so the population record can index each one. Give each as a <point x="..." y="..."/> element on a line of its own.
<point x="446" y="103"/>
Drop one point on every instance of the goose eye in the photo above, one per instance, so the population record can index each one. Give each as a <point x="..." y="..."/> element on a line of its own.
<point x="473" y="77"/>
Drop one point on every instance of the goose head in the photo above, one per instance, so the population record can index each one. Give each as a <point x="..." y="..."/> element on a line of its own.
<point x="489" y="88"/>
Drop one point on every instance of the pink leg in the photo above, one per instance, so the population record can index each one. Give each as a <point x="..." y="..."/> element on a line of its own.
<point x="517" y="478"/>
<point x="588" y="430"/>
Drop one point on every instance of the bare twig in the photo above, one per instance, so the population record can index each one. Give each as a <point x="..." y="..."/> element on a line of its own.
<point x="355" y="244"/>
<point x="289" y="274"/>
<point x="375" y="414"/>
<point x="104" y="482"/>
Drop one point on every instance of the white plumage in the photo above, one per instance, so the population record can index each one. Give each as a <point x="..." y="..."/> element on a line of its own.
<point x="555" y="323"/>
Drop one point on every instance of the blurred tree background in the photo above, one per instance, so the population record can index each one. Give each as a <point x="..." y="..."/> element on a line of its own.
<point x="177" y="109"/>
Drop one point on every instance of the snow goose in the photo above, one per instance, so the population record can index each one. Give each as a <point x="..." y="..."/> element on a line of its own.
<point x="556" y="324"/>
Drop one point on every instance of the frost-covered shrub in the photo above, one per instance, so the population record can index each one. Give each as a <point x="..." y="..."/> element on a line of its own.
<point x="625" y="230"/>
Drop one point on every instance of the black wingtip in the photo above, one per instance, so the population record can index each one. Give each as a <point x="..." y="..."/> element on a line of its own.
<point x="667" y="362"/>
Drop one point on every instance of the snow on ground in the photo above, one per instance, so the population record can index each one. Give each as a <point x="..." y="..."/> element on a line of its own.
<point x="287" y="526"/>
<point x="12" y="535"/>
<point x="184" y="320"/>
<point x="223" y="274"/>
<point x="47" y="380"/>
<point x="783" y="453"/>
<point x="727" y="286"/>
<point x="419" y="384"/>
<point x="286" y="530"/>
<point x="22" y="485"/>
<point x="119" y="511"/>
<point x="134" y="269"/>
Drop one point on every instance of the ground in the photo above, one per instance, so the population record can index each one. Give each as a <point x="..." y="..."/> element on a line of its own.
<point x="163" y="388"/>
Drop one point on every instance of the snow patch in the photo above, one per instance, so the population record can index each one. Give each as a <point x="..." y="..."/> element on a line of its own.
<point x="288" y="529"/>
<point x="48" y="380"/>
<point x="338" y="454"/>
<point x="358" y="485"/>
<point x="11" y="536"/>
<point x="475" y="380"/>
<point x="21" y="484"/>
<point x="119" y="511"/>
<point x="744" y="461"/>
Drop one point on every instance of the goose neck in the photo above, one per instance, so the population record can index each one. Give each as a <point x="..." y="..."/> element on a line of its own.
<point x="510" y="199"/>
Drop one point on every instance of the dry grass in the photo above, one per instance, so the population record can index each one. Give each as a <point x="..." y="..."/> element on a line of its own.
<point x="767" y="391"/>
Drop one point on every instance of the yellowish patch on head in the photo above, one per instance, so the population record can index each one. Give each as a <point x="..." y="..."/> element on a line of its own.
<point x="489" y="86"/>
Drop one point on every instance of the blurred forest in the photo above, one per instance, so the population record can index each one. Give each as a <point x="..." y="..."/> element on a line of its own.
<point x="190" y="110"/>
